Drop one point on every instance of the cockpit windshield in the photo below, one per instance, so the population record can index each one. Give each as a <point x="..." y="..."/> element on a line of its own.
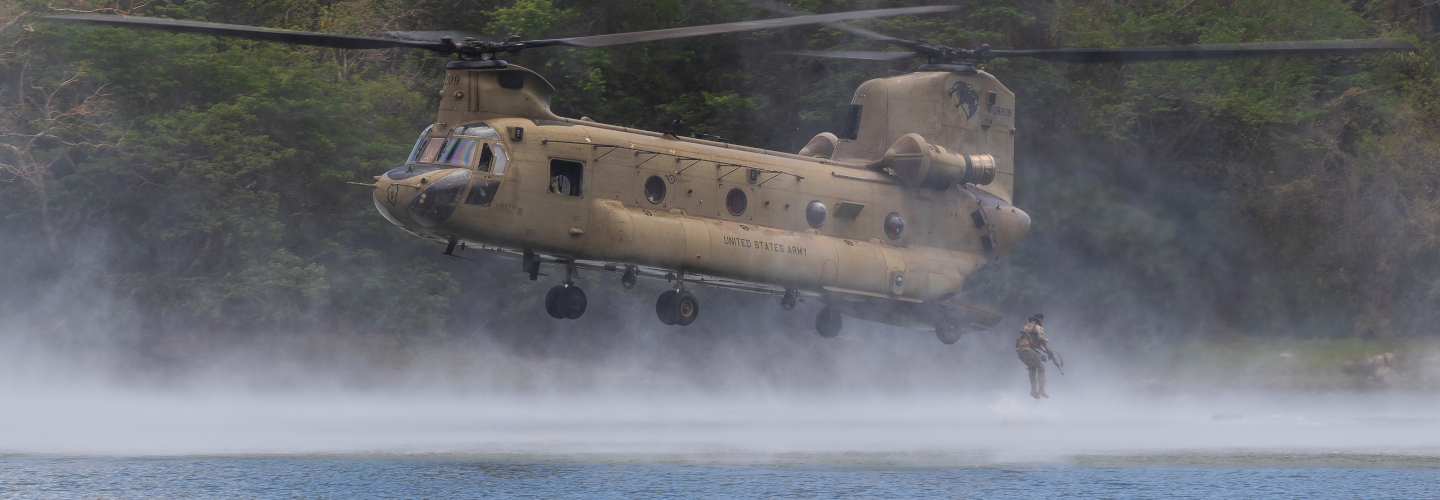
<point x="420" y="146"/>
<point x="427" y="149"/>
<point x="457" y="151"/>
<point x="465" y="144"/>
<point x="415" y="153"/>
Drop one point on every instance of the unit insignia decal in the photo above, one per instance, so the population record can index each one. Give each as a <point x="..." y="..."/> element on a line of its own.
<point x="392" y="194"/>
<point x="966" y="97"/>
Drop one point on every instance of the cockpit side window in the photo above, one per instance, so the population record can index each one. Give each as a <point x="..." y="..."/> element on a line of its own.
<point x="500" y="158"/>
<point x="492" y="159"/>
<point x="565" y="177"/>
<point x="486" y="158"/>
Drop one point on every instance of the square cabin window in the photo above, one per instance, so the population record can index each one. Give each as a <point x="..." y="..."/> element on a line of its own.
<point x="565" y="177"/>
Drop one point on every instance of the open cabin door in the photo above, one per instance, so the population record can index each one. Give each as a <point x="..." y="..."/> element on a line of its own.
<point x="561" y="215"/>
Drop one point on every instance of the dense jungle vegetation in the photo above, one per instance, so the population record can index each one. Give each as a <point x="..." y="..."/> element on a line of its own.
<point x="153" y="182"/>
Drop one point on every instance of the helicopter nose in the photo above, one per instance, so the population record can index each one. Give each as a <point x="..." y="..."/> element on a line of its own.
<point x="420" y="195"/>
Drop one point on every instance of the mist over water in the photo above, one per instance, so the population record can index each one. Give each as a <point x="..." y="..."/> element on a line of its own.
<point x="754" y="388"/>
<point x="748" y="384"/>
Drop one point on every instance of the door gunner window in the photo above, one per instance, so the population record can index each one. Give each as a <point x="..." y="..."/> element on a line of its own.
<point x="565" y="177"/>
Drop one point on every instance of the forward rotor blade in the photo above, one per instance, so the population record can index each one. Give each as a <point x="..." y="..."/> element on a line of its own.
<point x="1268" y="49"/>
<point x="252" y="33"/>
<point x="665" y="34"/>
<point x="852" y="54"/>
<point x="786" y="10"/>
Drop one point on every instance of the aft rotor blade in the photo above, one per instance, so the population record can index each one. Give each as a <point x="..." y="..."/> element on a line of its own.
<point x="852" y="54"/>
<point x="436" y="35"/>
<point x="1175" y="53"/>
<point x="251" y="32"/>
<point x="665" y="34"/>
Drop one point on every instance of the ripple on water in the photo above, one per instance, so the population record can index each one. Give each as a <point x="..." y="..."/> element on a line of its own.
<point x="1319" y="476"/>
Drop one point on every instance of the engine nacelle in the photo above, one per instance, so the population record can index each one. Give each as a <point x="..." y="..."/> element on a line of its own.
<point x="920" y="164"/>
<point x="822" y="146"/>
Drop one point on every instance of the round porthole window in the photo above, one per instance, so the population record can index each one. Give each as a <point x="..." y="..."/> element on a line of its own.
<point x="815" y="214"/>
<point x="894" y="225"/>
<point x="655" y="189"/>
<point x="735" y="201"/>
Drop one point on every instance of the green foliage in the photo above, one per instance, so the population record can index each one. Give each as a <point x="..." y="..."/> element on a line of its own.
<point x="530" y="18"/>
<point x="1308" y="153"/>
<point x="713" y="114"/>
<point x="225" y="202"/>
<point x="1293" y="195"/>
<point x="278" y="289"/>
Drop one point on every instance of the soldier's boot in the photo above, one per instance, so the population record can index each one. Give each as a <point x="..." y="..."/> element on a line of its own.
<point x="1042" y="393"/>
<point x="1033" y="392"/>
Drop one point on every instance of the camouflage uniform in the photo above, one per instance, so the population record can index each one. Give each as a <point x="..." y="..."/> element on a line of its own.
<point x="1032" y="337"/>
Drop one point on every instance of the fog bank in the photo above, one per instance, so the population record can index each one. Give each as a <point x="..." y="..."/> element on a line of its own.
<point x="875" y="395"/>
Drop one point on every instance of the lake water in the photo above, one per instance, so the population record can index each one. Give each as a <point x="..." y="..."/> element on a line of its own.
<point x="110" y="443"/>
<point x="348" y="477"/>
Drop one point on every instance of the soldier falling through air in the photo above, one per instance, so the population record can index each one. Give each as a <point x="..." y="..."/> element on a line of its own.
<point x="1032" y="347"/>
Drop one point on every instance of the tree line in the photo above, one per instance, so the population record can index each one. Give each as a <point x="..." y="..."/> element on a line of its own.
<point x="198" y="182"/>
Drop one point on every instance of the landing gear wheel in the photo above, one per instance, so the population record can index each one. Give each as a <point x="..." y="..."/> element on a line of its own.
<point x="627" y="280"/>
<point x="571" y="302"/>
<point x="827" y="323"/>
<point x="552" y="299"/>
<point x="687" y="308"/>
<point x="665" y="307"/>
<point x="946" y="330"/>
<point x="788" y="301"/>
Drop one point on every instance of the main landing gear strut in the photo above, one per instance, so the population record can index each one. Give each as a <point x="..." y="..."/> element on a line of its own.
<point x="566" y="301"/>
<point x="678" y="306"/>
<point x="947" y="329"/>
<point x="827" y="322"/>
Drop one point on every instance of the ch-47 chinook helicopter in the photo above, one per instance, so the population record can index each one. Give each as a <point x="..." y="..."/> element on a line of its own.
<point x="882" y="220"/>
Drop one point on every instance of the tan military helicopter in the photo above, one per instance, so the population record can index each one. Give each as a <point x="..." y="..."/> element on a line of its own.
<point x="882" y="220"/>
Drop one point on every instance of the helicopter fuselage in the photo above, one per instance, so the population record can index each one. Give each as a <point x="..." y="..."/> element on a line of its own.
<point x="588" y="195"/>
